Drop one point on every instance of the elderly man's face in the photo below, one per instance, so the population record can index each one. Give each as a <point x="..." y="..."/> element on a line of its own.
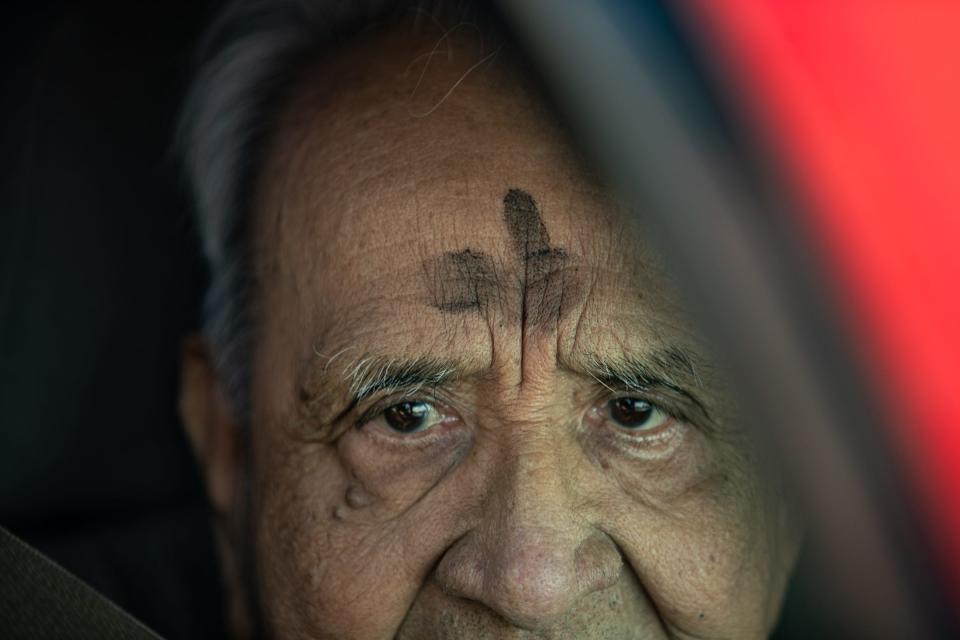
<point x="477" y="409"/>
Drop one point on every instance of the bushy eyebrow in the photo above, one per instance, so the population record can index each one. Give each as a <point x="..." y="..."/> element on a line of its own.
<point x="671" y="368"/>
<point x="369" y="375"/>
<point x="373" y="374"/>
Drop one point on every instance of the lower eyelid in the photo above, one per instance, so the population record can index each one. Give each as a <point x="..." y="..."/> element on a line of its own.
<point x="429" y="438"/>
<point x="654" y="443"/>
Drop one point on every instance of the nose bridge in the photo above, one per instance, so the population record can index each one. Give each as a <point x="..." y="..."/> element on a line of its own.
<point x="531" y="538"/>
<point x="531" y="490"/>
<point x="532" y="556"/>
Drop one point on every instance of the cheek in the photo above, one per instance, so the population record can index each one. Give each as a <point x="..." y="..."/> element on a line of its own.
<point x="696" y="530"/>
<point x="294" y="494"/>
<point x="346" y="533"/>
<point x="661" y="472"/>
<point x="389" y="474"/>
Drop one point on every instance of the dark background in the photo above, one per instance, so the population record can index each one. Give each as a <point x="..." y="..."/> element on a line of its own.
<point x="100" y="276"/>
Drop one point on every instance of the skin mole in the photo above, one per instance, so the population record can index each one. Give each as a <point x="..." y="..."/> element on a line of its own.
<point x="356" y="497"/>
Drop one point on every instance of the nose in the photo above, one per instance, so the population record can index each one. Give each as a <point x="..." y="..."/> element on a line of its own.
<point x="531" y="557"/>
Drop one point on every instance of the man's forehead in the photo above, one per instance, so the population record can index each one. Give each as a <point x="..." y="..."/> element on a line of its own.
<point x="381" y="218"/>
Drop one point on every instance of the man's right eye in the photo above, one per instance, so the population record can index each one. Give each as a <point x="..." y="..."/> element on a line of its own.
<point x="411" y="417"/>
<point x="635" y="414"/>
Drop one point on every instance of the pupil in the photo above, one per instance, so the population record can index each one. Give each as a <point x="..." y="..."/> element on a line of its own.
<point x="406" y="416"/>
<point x="630" y="412"/>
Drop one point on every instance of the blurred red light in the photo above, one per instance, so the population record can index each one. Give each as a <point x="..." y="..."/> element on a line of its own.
<point x="862" y="101"/>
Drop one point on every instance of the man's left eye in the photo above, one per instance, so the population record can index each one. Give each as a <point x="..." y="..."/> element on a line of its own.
<point x="410" y="417"/>
<point x="636" y="414"/>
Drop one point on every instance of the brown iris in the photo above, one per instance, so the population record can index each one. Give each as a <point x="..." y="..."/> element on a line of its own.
<point x="631" y="413"/>
<point x="407" y="417"/>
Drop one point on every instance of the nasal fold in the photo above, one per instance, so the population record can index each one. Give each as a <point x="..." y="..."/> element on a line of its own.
<point x="532" y="557"/>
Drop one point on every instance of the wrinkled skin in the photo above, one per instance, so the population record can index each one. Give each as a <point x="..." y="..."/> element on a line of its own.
<point x="522" y="509"/>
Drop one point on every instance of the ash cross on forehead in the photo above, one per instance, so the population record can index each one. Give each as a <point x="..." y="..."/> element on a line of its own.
<point x="469" y="281"/>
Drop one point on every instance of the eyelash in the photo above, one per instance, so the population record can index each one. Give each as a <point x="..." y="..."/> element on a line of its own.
<point x="655" y="399"/>
<point x="379" y="406"/>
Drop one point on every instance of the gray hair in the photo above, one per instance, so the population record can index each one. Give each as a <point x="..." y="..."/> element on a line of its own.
<point x="249" y="62"/>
